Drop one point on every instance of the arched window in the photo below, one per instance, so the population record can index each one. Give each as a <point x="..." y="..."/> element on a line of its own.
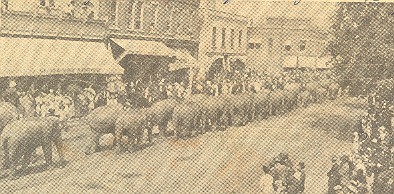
<point x="138" y="15"/>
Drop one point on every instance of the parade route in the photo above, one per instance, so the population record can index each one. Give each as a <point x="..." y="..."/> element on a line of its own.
<point x="216" y="162"/>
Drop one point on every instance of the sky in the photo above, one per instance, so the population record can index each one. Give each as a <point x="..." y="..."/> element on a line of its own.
<point x="318" y="12"/>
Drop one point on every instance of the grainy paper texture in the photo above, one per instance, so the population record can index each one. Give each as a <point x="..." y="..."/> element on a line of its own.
<point x="196" y="96"/>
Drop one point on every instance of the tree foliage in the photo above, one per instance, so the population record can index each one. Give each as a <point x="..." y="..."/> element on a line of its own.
<point x="362" y="43"/>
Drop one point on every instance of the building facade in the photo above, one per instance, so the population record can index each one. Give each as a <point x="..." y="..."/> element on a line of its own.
<point x="223" y="38"/>
<point x="147" y="36"/>
<point x="285" y="43"/>
<point x="138" y="33"/>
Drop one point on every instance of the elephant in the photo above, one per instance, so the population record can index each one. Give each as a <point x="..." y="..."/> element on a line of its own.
<point x="8" y="113"/>
<point x="186" y="118"/>
<point x="162" y="114"/>
<point x="278" y="100"/>
<point x="262" y="104"/>
<point x="325" y="83"/>
<point x="312" y="88"/>
<point x="132" y="124"/>
<point x="321" y="94"/>
<point x="239" y="105"/>
<point x="214" y="109"/>
<point x="292" y="92"/>
<point x="20" y="138"/>
<point x="101" y="121"/>
<point x="304" y="98"/>
<point x="333" y="90"/>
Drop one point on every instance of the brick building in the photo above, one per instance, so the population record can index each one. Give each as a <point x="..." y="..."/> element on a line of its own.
<point x="152" y="38"/>
<point x="223" y="37"/>
<point x="144" y="36"/>
<point x="286" y="43"/>
<point x="50" y="37"/>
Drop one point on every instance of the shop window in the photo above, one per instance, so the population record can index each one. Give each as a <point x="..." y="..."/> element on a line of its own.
<point x="223" y="37"/>
<point x="214" y="37"/>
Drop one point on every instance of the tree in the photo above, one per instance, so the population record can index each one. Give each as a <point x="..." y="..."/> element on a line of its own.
<point x="362" y="43"/>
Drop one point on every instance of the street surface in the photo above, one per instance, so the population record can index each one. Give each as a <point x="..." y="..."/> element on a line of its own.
<point x="216" y="162"/>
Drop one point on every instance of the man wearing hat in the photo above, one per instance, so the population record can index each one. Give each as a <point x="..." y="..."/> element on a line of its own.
<point x="333" y="175"/>
<point x="90" y="94"/>
<point x="162" y="90"/>
<point x="11" y="94"/>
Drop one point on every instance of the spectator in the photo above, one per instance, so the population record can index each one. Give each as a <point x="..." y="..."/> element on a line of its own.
<point x="266" y="182"/>
<point x="11" y="94"/>
<point x="333" y="176"/>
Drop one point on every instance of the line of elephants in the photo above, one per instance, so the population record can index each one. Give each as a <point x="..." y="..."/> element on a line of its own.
<point x="195" y="115"/>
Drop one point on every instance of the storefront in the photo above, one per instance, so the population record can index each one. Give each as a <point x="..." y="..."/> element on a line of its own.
<point x="142" y="59"/>
<point x="66" y="67"/>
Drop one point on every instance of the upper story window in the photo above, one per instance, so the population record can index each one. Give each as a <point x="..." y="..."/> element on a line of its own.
<point x="83" y="9"/>
<point x="257" y="45"/>
<point x="155" y="12"/>
<point x="169" y="11"/>
<point x="232" y="38"/>
<point x="114" y="15"/>
<point x="138" y="9"/>
<point x="270" y="44"/>
<point x="240" y="38"/>
<point x="48" y="3"/>
<point x="213" y="37"/>
<point x="223" y="37"/>
<point x="251" y="45"/>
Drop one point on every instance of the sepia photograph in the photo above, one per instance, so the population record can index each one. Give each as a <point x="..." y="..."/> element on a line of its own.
<point x="197" y="96"/>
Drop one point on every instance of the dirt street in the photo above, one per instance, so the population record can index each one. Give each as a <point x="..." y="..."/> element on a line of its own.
<point x="216" y="162"/>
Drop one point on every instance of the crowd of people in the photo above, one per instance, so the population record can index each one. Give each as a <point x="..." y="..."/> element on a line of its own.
<point x="40" y="99"/>
<point x="369" y="169"/>
<point x="76" y="101"/>
<point x="282" y="177"/>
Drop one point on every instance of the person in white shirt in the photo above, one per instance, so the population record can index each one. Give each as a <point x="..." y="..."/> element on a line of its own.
<point x="266" y="182"/>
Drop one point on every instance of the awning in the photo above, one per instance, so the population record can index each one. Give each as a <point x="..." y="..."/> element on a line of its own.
<point x="323" y="62"/>
<point x="143" y="47"/>
<point x="183" y="60"/>
<point x="33" y="57"/>
<point x="290" y="62"/>
<point x="307" y="62"/>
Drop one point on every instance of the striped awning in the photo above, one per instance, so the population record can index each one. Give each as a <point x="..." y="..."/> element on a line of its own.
<point x="34" y="56"/>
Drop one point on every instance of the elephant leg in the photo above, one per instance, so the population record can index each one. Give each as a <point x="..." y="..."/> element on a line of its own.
<point x="93" y="143"/>
<point x="16" y="155"/>
<point x="179" y="127"/>
<point x="26" y="159"/>
<point x="6" y="154"/>
<point x="163" y="128"/>
<point x="47" y="149"/>
<point x="149" y="129"/>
